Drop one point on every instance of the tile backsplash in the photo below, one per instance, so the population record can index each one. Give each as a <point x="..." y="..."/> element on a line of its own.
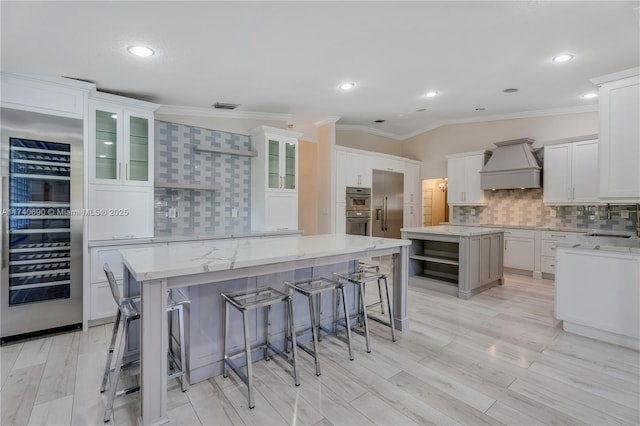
<point x="524" y="207"/>
<point x="200" y="210"/>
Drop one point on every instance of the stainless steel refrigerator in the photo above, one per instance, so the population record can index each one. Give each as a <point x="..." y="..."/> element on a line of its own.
<point x="41" y="192"/>
<point x="387" y="203"/>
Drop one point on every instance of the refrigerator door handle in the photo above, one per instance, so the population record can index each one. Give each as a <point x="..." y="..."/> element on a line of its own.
<point x="386" y="213"/>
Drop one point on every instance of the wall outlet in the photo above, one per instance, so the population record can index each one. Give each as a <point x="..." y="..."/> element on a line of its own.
<point x="473" y="212"/>
<point x="624" y="214"/>
<point x="592" y="217"/>
<point x="552" y="213"/>
<point x="234" y="212"/>
<point x="172" y="212"/>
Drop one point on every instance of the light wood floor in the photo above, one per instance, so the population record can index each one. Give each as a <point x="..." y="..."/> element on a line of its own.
<point x="499" y="358"/>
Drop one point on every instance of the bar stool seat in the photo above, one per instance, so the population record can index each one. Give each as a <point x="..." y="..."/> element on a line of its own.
<point x="244" y="302"/>
<point x="129" y="310"/>
<point x="313" y="289"/>
<point x="360" y="279"/>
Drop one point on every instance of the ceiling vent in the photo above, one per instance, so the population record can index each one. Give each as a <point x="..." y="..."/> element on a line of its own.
<point x="512" y="165"/>
<point x="223" y="105"/>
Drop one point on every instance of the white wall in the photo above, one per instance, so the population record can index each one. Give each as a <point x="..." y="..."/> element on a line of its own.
<point x="366" y="141"/>
<point x="432" y="146"/>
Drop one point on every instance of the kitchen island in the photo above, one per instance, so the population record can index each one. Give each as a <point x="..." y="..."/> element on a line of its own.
<point x="598" y="289"/>
<point x="456" y="260"/>
<point x="207" y="268"/>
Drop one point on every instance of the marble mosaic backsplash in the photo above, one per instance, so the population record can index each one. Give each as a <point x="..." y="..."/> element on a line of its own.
<point x="524" y="207"/>
<point x="198" y="210"/>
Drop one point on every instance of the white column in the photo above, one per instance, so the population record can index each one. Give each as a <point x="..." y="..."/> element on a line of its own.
<point x="400" y="286"/>
<point x="153" y="354"/>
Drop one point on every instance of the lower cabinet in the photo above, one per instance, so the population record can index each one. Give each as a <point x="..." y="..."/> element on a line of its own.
<point x="519" y="249"/>
<point x="118" y="211"/>
<point x="598" y="294"/>
<point x="548" y="242"/>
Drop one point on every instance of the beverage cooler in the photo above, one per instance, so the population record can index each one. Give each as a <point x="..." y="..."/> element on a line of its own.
<point x="42" y="224"/>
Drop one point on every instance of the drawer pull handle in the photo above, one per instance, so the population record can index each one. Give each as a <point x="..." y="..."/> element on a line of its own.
<point x="558" y="236"/>
<point x="552" y="265"/>
<point x="553" y="248"/>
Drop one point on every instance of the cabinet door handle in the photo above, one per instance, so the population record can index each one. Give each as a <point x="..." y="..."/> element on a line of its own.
<point x="573" y="193"/>
<point x="119" y="170"/>
<point x="505" y="244"/>
<point x="126" y="171"/>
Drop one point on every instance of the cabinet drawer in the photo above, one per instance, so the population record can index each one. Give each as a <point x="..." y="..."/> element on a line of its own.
<point x="102" y="303"/>
<point x="559" y="236"/>
<point x="519" y="233"/>
<point x="548" y="265"/>
<point x="549" y="247"/>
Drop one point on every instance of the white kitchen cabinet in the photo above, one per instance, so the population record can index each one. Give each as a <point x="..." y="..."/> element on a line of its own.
<point x="411" y="215"/>
<point x="118" y="212"/>
<point x="412" y="183"/>
<point x="571" y="173"/>
<point x="274" y="179"/>
<point x="519" y="249"/>
<point x="463" y="172"/>
<point x="387" y="164"/>
<point x="351" y="170"/>
<point x="121" y="141"/>
<point x="598" y="294"/>
<point x="102" y="307"/>
<point x="46" y="95"/>
<point x="549" y="241"/>
<point x="619" y="136"/>
<point x="341" y="218"/>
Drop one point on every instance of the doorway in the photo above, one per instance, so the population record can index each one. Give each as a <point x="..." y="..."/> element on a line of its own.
<point x="434" y="201"/>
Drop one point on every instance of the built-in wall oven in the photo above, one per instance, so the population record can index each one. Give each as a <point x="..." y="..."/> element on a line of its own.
<point x="41" y="169"/>
<point x="358" y="211"/>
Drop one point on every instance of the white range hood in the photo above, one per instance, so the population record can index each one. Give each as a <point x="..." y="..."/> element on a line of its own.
<point x="512" y="165"/>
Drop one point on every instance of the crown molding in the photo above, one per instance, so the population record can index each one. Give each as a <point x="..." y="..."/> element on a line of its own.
<point x="327" y="120"/>
<point x="208" y="112"/>
<point x="508" y="116"/>
<point x="369" y="130"/>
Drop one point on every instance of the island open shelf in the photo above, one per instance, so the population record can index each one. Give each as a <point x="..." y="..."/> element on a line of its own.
<point x="455" y="260"/>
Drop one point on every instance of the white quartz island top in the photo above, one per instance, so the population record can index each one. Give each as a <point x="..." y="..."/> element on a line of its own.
<point x="458" y="231"/>
<point x="219" y="255"/>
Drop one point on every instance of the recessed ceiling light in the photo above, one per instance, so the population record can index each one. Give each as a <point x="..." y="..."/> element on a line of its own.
<point x="565" y="57"/>
<point x="140" y="51"/>
<point x="380" y="121"/>
<point x="421" y="110"/>
<point x="510" y="90"/>
<point x="347" y="86"/>
<point x="431" y="94"/>
<point x="108" y="143"/>
<point x="590" y="96"/>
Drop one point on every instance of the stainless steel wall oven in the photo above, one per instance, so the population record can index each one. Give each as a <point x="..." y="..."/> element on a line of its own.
<point x="358" y="211"/>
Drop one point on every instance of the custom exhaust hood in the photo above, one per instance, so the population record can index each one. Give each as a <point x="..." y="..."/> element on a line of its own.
<point x="511" y="166"/>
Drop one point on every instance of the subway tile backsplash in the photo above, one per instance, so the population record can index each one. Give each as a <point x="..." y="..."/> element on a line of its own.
<point x="524" y="207"/>
<point x="197" y="210"/>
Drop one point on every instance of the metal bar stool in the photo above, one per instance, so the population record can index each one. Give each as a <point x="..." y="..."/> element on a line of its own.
<point x="243" y="302"/>
<point x="370" y="267"/>
<point x="360" y="279"/>
<point x="313" y="289"/>
<point x="128" y="310"/>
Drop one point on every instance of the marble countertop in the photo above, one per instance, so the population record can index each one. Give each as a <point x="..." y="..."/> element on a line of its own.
<point x="458" y="231"/>
<point x="192" y="237"/>
<point x="220" y="255"/>
<point x="617" y="245"/>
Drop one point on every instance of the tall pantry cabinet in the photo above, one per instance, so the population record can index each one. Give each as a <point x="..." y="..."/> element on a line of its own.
<point x="274" y="179"/>
<point x="619" y="136"/>
<point x="121" y="143"/>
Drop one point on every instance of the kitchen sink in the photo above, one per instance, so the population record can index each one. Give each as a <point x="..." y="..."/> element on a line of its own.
<point x="600" y="234"/>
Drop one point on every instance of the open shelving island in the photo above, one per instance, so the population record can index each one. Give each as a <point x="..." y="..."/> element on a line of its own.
<point x="461" y="261"/>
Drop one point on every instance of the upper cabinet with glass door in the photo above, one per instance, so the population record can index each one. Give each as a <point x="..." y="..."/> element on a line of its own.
<point x="120" y="141"/>
<point x="279" y="163"/>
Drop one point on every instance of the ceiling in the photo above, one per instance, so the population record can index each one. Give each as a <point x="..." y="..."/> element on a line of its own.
<point x="290" y="57"/>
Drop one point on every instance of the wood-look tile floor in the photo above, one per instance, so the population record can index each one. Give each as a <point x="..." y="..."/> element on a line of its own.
<point x="499" y="358"/>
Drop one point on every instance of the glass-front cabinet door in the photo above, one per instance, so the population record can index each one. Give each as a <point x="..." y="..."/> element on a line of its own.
<point x="273" y="164"/>
<point x="290" y="165"/>
<point x="138" y="166"/>
<point x="106" y="145"/>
